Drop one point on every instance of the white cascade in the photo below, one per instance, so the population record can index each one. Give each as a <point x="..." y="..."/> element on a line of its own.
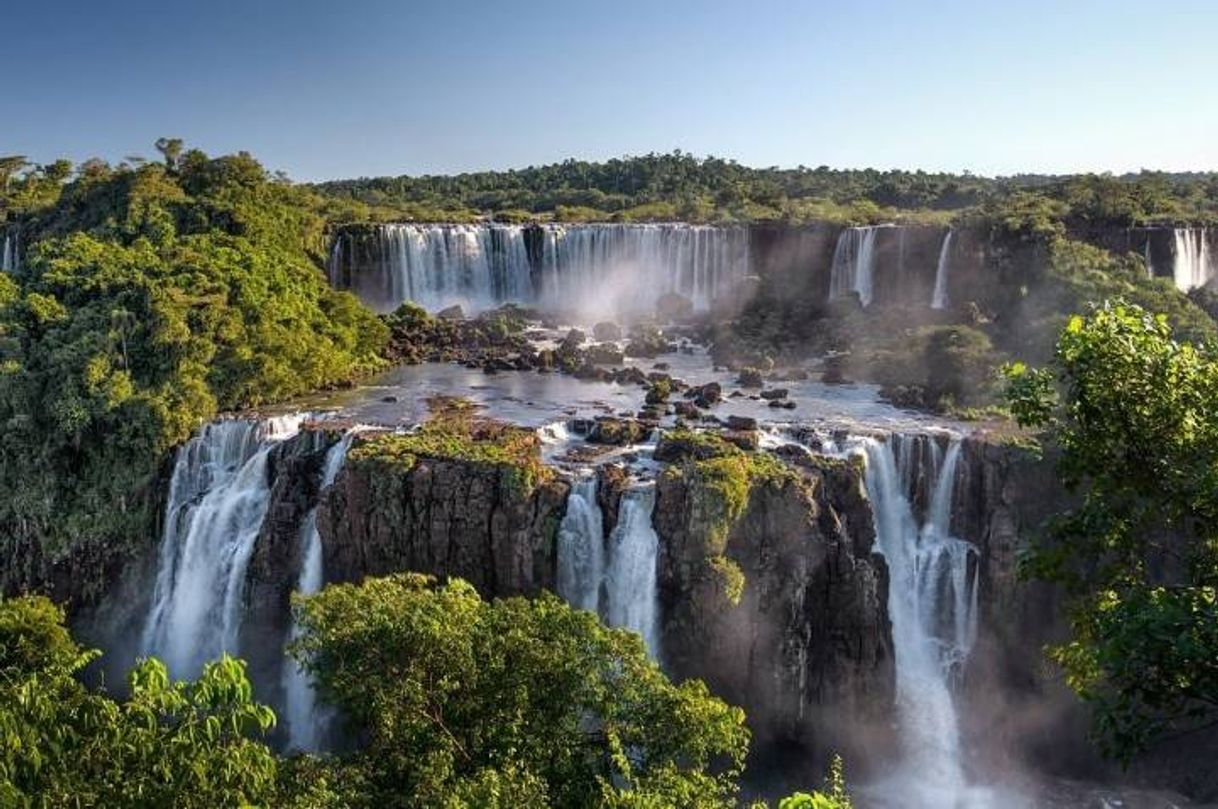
<point x="305" y="719"/>
<point x="939" y="297"/>
<point x="589" y="269"/>
<point x="932" y="603"/>
<point x="617" y="579"/>
<point x="218" y="497"/>
<point x="1192" y="266"/>
<point x="853" y="269"/>
<point x="581" y="547"/>
<point x="8" y="254"/>
<point x="630" y="582"/>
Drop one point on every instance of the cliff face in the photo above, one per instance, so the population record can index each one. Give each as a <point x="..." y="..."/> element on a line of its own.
<point x="806" y="647"/>
<point x="444" y="516"/>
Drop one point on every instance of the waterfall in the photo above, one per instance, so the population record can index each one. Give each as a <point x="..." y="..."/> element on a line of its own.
<point x="853" y="268"/>
<point x="581" y="547"/>
<point x="630" y="582"/>
<point x="601" y="269"/>
<point x="932" y="603"/>
<point x="1192" y="266"/>
<point x="939" y="298"/>
<point x="8" y="254"/>
<point x="218" y="497"/>
<point x="306" y="723"/>
<point x="618" y="581"/>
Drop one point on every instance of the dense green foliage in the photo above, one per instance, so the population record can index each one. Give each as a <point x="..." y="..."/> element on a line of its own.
<point x="169" y="744"/>
<point x="462" y="699"/>
<point x="148" y="299"/>
<point x="681" y="186"/>
<point x="1138" y="432"/>
<point x="457" y="703"/>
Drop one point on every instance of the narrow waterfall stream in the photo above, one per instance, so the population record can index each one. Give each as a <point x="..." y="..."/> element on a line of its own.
<point x="218" y="497"/>
<point x="617" y="578"/>
<point x="581" y="548"/>
<point x="939" y="298"/>
<point x="306" y="720"/>
<point x="853" y="269"/>
<point x="932" y="603"/>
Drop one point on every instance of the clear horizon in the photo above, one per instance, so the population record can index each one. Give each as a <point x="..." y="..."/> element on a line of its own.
<point x="383" y="88"/>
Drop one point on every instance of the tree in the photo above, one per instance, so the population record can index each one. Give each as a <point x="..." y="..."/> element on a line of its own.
<point x="182" y="744"/>
<point x="171" y="150"/>
<point x="458" y="699"/>
<point x="1138" y="557"/>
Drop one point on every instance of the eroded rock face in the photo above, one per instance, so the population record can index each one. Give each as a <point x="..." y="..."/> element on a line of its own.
<point x="446" y="517"/>
<point x="807" y="649"/>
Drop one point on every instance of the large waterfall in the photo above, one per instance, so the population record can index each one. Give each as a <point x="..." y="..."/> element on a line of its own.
<point x="853" y="268"/>
<point x="618" y="578"/>
<point x="932" y="603"/>
<point x="939" y="297"/>
<point x="306" y="724"/>
<point x="1192" y="264"/>
<point x="594" y="269"/>
<point x="218" y="497"/>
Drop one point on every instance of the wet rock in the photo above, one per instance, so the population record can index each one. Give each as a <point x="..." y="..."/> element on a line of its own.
<point x="604" y="354"/>
<point x="687" y="410"/>
<point x="705" y="395"/>
<point x="660" y="366"/>
<point x="606" y="332"/>
<point x="774" y="393"/>
<point x="784" y="404"/>
<point x="741" y="423"/>
<point x="451" y="313"/>
<point x="389" y="399"/>
<point x="616" y="431"/>
<point x="629" y="376"/>
<point x="835" y="371"/>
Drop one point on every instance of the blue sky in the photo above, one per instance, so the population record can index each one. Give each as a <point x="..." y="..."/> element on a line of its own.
<point x="371" y="87"/>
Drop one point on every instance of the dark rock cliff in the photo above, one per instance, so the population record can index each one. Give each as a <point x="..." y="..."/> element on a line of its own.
<point x="806" y="646"/>
<point x="445" y="516"/>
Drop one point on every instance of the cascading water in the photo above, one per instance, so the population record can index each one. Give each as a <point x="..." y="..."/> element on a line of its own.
<point x="939" y="297"/>
<point x="8" y="254"/>
<point x="630" y="582"/>
<point x="617" y="579"/>
<point x="1192" y="266"/>
<point x="306" y="722"/>
<point x="932" y="603"/>
<point x="581" y="544"/>
<point x="595" y="269"/>
<point x="218" y="497"/>
<point x="853" y="268"/>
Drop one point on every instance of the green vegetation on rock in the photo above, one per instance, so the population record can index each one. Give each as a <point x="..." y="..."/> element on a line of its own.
<point x="456" y="433"/>
<point x="150" y="298"/>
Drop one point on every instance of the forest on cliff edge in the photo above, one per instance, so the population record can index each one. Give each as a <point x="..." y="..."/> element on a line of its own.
<point x="680" y="186"/>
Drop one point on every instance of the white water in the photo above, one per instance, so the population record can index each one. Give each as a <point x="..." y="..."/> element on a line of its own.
<point x="581" y="548"/>
<point x="1192" y="266"/>
<point x="630" y="582"/>
<point x="591" y="270"/>
<point x="306" y="720"/>
<point x="939" y="298"/>
<point x="8" y="254"/>
<point x="218" y="497"/>
<point x="854" y="264"/>
<point x="617" y="579"/>
<point x="932" y="603"/>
